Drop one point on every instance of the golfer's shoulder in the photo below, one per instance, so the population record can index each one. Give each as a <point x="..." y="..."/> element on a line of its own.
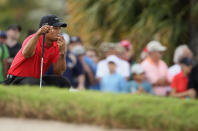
<point x="27" y="39"/>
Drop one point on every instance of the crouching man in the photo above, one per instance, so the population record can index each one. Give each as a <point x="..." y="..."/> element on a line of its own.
<point x="26" y="66"/>
<point x="180" y="81"/>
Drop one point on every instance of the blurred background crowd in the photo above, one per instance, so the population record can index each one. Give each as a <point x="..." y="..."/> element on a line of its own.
<point x="111" y="67"/>
<point x="115" y="46"/>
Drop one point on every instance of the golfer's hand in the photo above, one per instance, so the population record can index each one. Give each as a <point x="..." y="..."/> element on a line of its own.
<point x="61" y="44"/>
<point x="44" y="29"/>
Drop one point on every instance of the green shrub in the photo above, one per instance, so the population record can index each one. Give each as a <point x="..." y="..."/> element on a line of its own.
<point x="110" y="110"/>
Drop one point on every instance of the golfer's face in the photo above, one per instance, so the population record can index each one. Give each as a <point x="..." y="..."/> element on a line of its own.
<point x="54" y="33"/>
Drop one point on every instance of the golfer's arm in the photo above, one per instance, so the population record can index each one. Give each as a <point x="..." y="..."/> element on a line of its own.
<point x="30" y="47"/>
<point x="60" y="66"/>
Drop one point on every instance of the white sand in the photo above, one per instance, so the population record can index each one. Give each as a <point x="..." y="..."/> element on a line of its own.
<point x="16" y="124"/>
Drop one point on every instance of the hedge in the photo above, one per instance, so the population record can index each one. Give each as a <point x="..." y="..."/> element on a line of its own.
<point x="106" y="109"/>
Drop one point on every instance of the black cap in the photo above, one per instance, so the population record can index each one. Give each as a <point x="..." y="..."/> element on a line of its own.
<point x="186" y="61"/>
<point x="75" y="39"/>
<point x="3" y="34"/>
<point x="52" y="20"/>
<point x="15" y="26"/>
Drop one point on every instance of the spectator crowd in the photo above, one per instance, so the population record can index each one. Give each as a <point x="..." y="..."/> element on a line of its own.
<point x="110" y="67"/>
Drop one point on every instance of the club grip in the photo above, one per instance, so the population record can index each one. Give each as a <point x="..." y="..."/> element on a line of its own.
<point x="43" y="45"/>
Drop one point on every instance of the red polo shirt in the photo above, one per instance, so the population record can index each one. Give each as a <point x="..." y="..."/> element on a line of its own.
<point x="31" y="67"/>
<point x="180" y="82"/>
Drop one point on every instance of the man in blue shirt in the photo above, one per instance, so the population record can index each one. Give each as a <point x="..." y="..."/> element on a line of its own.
<point x="113" y="82"/>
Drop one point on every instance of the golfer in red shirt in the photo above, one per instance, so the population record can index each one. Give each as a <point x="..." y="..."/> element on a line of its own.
<point x="26" y="66"/>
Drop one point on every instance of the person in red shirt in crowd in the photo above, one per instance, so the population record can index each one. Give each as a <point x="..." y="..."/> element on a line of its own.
<point x="26" y="66"/>
<point x="180" y="81"/>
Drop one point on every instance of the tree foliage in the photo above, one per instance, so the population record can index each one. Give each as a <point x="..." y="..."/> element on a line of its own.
<point x="28" y="13"/>
<point x="137" y="20"/>
<point x="15" y="12"/>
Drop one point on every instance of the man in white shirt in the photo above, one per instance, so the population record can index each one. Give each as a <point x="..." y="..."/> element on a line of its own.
<point x="123" y="67"/>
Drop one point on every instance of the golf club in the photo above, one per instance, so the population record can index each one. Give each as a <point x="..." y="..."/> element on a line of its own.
<point x="43" y="47"/>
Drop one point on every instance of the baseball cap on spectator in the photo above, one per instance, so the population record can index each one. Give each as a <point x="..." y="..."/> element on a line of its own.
<point x="137" y="69"/>
<point x="78" y="50"/>
<point x="111" y="46"/>
<point x="155" y="46"/>
<point x="106" y="46"/>
<point x="14" y="27"/>
<point x="112" y="59"/>
<point x="126" y="44"/>
<point x="75" y="39"/>
<point x="3" y="34"/>
<point x="186" y="61"/>
<point x="51" y="20"/>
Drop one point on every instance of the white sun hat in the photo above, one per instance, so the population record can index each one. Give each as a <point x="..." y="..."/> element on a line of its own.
<point x="155" y="46"/>
<point x="137" y="69"/>
<point x="112" y="58"/>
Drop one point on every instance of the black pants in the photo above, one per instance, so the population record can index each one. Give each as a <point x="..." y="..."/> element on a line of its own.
<point x="48" y="80"/>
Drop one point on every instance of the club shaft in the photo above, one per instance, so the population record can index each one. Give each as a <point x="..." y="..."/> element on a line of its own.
<point x="41" y="76"/>
<point x="42" y="54"/>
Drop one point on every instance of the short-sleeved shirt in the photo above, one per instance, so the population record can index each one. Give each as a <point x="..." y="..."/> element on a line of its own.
<point x="173" y="71"/>
<point x="114" y="83"/>
<point x="133" y="86"/>
<point x="102" y="69"/>
<point x="123" y="68"/>
<point x="155" y="72"/>
<point x="90" y="63"/>
<point x="180" y="82"/>
<point x="4" y="54"/>
<point x="73" y="70"/>
<point x="31" y="67"/>
<point x="93" y="68"/>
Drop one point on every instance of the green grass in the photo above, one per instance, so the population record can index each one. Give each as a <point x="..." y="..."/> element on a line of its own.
<point x="110" y="110"/>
